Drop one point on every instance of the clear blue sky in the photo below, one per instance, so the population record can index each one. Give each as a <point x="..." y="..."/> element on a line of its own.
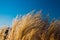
<point x="10" y="8"/>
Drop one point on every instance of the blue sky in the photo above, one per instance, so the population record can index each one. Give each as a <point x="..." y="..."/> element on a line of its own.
<point x="10" y="8"/>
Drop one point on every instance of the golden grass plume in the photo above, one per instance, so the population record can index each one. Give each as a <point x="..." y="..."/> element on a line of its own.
<point x="31" y="27"/>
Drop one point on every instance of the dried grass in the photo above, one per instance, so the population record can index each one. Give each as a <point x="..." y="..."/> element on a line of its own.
<point x="31" y="27"/>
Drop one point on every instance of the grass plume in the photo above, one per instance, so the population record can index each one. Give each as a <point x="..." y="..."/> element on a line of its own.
<point x="31" y="27"/>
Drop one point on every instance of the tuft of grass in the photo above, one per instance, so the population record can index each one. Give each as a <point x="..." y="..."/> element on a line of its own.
<point x="31" y="27"/>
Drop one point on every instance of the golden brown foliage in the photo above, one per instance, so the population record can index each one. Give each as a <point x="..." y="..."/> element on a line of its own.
<point x="31" y="27"/>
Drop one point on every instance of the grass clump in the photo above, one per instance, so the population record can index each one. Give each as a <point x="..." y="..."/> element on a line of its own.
<point x="31" y="27"/>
